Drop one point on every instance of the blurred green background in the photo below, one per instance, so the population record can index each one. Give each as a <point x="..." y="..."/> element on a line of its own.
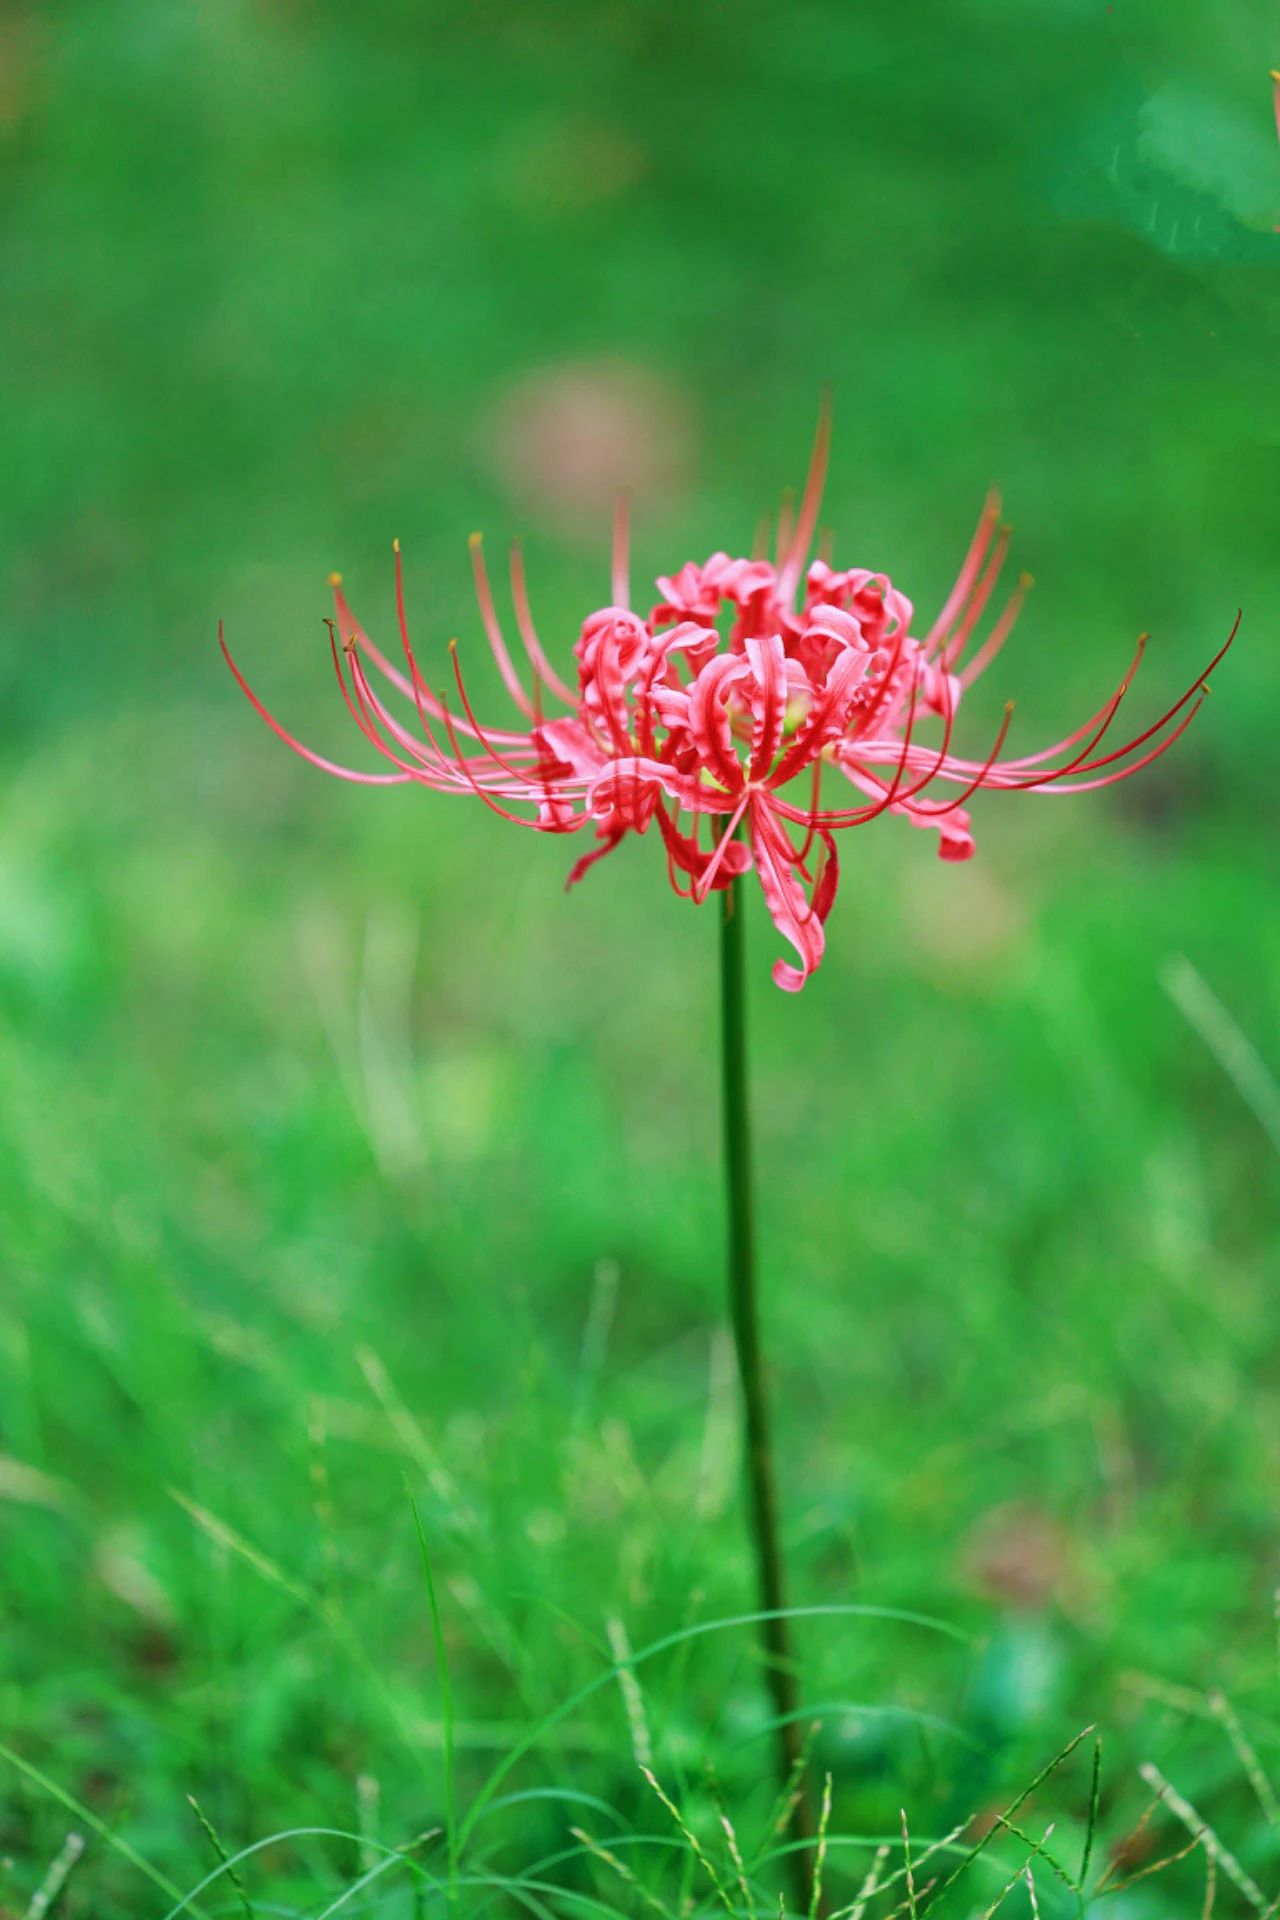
<point x="338" y="1146"/>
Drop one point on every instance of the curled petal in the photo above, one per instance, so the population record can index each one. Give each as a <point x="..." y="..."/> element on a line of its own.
<point x="609" y="839"/>
<point x="769" y="705"/>
<point x="709" y="722"/>
<point x="613" y="649"/>
<point x="789" y="908"/>
<point x="629" y="789"/>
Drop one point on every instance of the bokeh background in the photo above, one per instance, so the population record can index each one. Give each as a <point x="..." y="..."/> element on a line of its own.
<point x="339" y="1148"/>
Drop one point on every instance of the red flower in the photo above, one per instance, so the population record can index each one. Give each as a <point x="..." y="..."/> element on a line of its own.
<point x="747" y="678"/>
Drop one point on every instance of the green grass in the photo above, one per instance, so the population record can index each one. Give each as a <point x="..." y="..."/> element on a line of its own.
<point x="346" y="1166"/>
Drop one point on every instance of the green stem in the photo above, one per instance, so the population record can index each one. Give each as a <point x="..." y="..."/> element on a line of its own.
<point x="780" y="1666"/>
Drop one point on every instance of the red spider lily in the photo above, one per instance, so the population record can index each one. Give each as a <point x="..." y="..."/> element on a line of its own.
<point x="747" y="677"/>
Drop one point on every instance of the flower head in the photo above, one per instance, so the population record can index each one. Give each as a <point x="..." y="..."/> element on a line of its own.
<point x="715" y="718"/>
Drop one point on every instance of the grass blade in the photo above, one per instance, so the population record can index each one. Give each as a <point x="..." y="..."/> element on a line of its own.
<point x="446" y="1703"/>
<point x="90" y="1820"/>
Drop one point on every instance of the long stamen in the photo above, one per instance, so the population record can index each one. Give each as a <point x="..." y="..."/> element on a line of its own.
<point x="357" y="708"/>
<point x="958" y="800"/>
<point x="1080" y="761"/>
<point x="1093" y="729"/>
<point x="820" y="897"/>
<point x="999" y="633"/>
<point x="796" y="856"/>
<point x="954" y="646"/>
<point x="621" y="547"/>
<point x="373" y="714"/>
<point x="445" y="776"/>
<point x="981" y="776"/>
<point x="785" y="527"/>
<point x="503" y="813"/>
<point x="702" y="886"/>
<point x="421" y="692"/>
<point x="306" y="753"/>
<point x="1122" y="773"/>
<point x="889" y="793"/>
<point x="1199" y="686"/>
<point x="893" y="791"/>
<point x="948" y="726"/>
<point x="350" y="629"/>
<point x="374" y="719"/>
<point x="810" y="505"/>
<point x="515" y="772"/>
<point x="814" y="799"/>
<point x="380" y="714"/>
<point x="493" y="630"/>
<point x="810" y="912"/>
<point x="864" y="722"/>
<point x="670" y="830"/>
<point x="1096" y="727"/>
<point x="528" y="633"/>
<point x="969" y="568"/>
<point x="424" y="699"/>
